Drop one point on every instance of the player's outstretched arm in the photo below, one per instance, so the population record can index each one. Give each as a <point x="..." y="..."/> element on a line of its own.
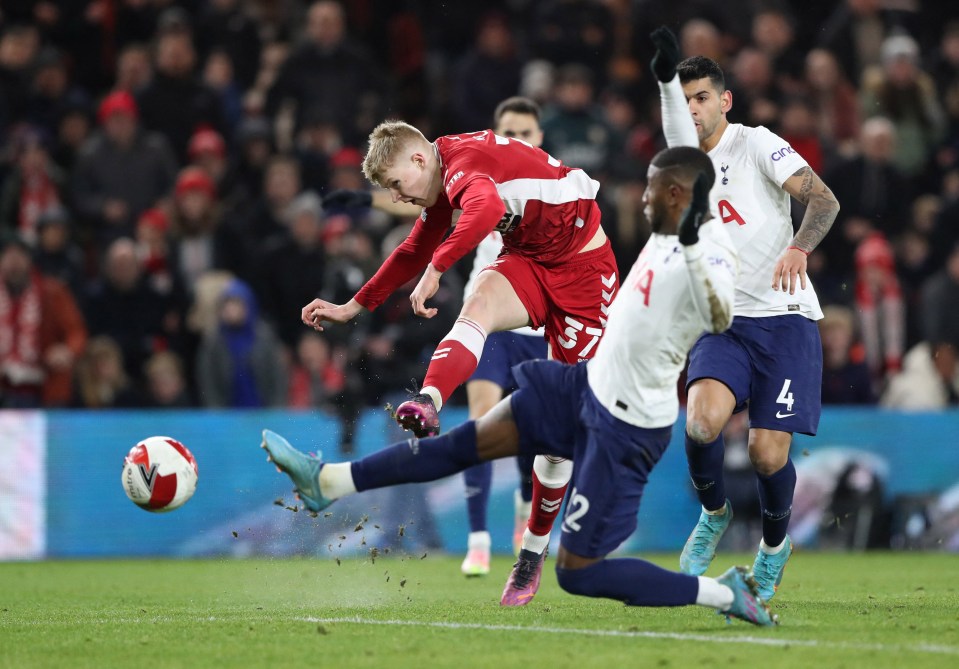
<point x="821" y="210"/>
<point x="678" y="124"/>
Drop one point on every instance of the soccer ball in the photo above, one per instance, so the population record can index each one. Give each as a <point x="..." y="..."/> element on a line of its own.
<point x="159" y="474"/>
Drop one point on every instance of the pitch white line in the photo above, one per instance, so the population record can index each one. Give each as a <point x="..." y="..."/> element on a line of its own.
<point x="675" y="636"/>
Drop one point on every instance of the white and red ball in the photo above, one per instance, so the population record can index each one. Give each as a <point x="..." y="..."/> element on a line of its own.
<point x="159" y="474"/>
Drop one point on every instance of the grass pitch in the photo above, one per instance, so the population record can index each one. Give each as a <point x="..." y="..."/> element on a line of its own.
<point x="874" y="610"/>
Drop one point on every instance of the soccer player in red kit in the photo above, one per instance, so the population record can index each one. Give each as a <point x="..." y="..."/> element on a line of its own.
<point x="556" y="271"/>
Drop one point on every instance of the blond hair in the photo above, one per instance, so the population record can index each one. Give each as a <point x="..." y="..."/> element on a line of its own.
<point x="386" y="141"/>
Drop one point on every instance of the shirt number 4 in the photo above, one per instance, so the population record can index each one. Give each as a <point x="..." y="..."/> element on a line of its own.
<point x="785" y="398"/>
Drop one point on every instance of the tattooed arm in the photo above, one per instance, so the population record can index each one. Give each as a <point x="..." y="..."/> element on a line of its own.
<point x="821" y="210"/>
<point x="821" y="207"/>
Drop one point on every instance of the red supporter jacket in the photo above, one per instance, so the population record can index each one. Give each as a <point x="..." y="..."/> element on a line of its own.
<point x="544" y="210"/>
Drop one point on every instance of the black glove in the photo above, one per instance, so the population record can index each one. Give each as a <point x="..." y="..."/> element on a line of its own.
<point x="348" y="199"/>
<point x="664" y="62"/>
<point x="695" y="213"/>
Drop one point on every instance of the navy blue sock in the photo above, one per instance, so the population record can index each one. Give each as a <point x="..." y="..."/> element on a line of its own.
<point x="630" y="580"/>
<point x="524" y="463"/>
<point x="417" y="460"/>
<point x="776" y="501"/>
<point x="706" y="470"/>
<point x="478" y="480"/>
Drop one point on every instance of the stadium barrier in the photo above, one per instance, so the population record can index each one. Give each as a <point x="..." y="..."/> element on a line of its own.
<point x="871" y="478"/>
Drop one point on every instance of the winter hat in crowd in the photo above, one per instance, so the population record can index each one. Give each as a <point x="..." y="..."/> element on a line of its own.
<point x="206" y="140"/>
<point x="192" y="179"/>
<point x="118" y="102"/>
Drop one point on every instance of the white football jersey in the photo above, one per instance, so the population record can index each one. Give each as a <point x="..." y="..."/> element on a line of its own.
<point x="671" y="295"/>
<point x="486" y="252"/>
<point x="751" y="165"/>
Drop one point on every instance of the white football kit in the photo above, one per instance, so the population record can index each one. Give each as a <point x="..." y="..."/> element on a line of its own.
<point x="751" y="165"/>
<point x="671" y="295"/>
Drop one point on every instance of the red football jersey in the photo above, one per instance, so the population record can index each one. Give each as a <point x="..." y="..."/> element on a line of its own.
<point x="544" y="209"/>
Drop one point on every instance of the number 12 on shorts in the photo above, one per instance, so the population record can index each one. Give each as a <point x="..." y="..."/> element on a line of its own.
<point x="576" y="508"/>
<point x="786" y="398"/>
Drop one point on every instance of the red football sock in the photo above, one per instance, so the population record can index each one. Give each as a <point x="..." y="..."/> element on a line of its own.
<point x="456" y="357"/>
<point x="546" y="505"/>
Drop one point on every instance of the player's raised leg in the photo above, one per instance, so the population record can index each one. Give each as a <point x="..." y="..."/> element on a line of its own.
<point x="493" y="306"/>
<point x="318" y="484"/>
<point x="710" y="404"/>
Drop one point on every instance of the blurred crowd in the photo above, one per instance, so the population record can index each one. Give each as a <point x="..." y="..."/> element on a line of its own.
<point x="163" y="166"/>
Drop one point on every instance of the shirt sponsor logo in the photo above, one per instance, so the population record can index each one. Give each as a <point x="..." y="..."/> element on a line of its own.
<point x="456" y="177"/>
<point x="781" y="153"/>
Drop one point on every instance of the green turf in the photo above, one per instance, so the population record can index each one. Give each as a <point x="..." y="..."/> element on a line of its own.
<point x="874" y="610"/>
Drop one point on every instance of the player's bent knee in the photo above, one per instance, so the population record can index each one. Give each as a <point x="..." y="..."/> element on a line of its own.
<point x="702" y="430"/>
<point x="578" y="581"/>
<point x="552" y="472"/>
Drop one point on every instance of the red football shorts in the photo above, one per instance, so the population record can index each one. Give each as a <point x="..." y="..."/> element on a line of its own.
<point x="571" y="300"/>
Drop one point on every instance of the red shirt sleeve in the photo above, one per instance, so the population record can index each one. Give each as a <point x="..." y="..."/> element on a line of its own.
<point x="482" y="211"/>
<point x="408" y="259"/>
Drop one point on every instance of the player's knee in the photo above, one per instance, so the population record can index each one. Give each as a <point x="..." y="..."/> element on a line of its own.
<point x="766" y="462"/>
<point x="577" y="581"/>
<point x="552" y="472"/>
<point x="703" y="429"/>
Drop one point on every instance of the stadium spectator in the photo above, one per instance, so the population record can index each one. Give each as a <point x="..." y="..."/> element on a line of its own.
<point x="854" y="32"/>
<point x="751" y="82"/>
<point x="575" y="127"/>
<point x="873" y="193"/>
<point x="320" y="379"/>
<point x="134" y="69"/>
<point x="201" y="242"/>
<point x="902" y="92"/>
<point x="487" y="73"/>
<point x="42" y="333"/>
<point x="940" y="309"/>
<point x="34" y="185"/>
<point x="773" y="33"/>
<point x="250" y="227"/>
<point x="332" y="74"/>
<point x="121" y="170"/>
<point x="845" y="376"/>
<point x="123" y="305"/>
<point x="218" y="75"/>
<point x="101" y="382"/>
<point x="294" y="267"/>
<point x="565" y="32"/>
<point x="51" y="91"/>
<point x="166" y="386"/>
<point x="176" y="102"/>
<point x="837" y="105"/>
<point x="73" y="129"/>
<point x="56" y="254"/>
<point x="225" y="26"/>
<point x="18" y="47"/>
<point x="880" y="305"/>
<point x="240" y="363"/>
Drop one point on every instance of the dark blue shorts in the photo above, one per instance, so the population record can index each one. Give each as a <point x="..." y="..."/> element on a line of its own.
<point x="557" y="413"/>
<point x="773" y="365"/>
<point x="502" y="351"/>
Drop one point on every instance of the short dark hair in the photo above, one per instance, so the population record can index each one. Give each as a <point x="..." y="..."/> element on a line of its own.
<point x="688" y="161"/>
<point x="701" y="67"/>
<point x="518" y="105"/>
